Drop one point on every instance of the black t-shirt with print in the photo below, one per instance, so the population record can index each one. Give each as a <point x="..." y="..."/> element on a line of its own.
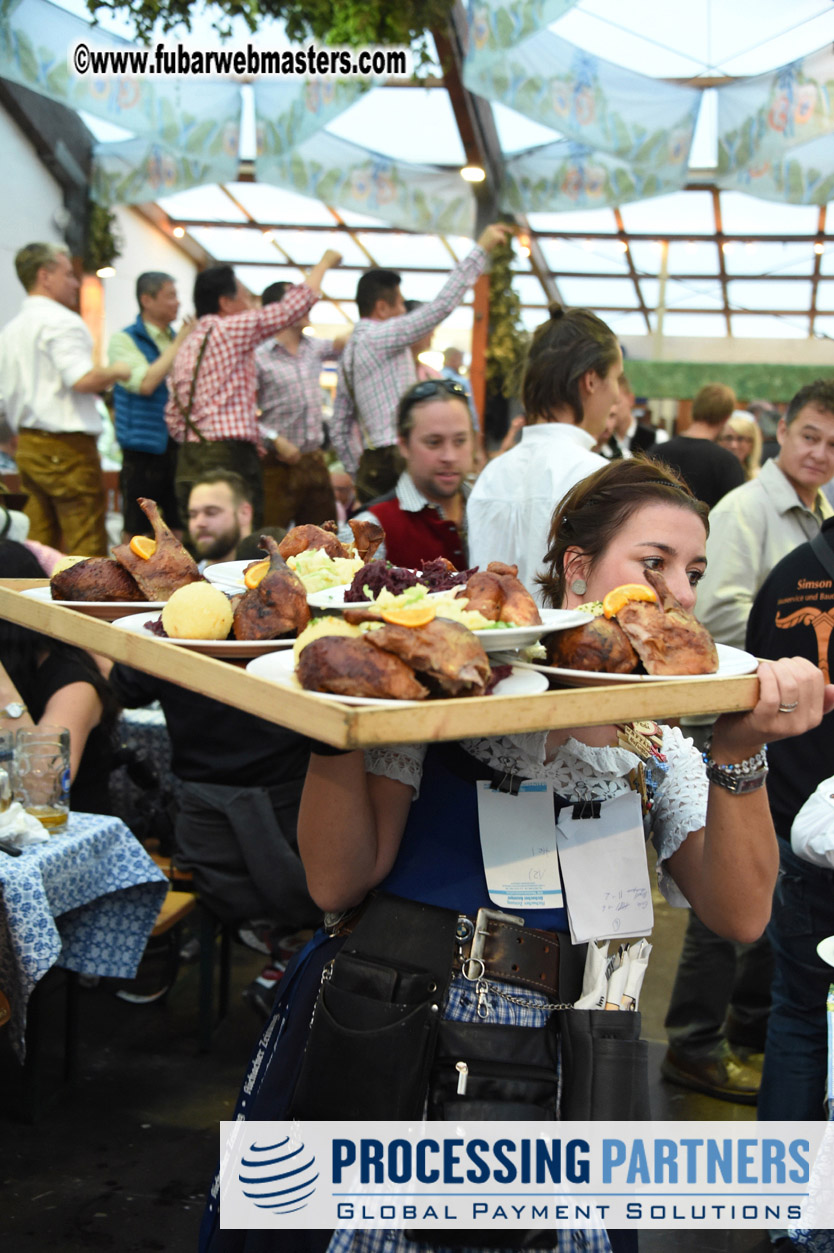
<point x="793" y="616"/>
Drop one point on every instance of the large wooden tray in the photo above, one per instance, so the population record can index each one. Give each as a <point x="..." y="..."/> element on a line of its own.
<point x="357" y="727"/>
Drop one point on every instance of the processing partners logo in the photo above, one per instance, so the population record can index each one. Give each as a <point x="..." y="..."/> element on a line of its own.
<point x="279" y="1176"/>
<point x="506" y="1177"/>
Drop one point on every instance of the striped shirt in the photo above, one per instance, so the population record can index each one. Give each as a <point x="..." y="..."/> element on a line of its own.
<point x="289" y="393"/>
<point x="376" y="367"/>
<point x="224" y="397"/>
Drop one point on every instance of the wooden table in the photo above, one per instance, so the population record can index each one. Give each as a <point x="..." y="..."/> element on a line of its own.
<point x="349" y="726"/>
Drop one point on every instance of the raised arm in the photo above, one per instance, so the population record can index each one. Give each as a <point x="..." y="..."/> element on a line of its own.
<point x="396" y="333"/>
<point x="349" y="828"/>
<point x="328" y="262"/>
<point x="727" y="870"/>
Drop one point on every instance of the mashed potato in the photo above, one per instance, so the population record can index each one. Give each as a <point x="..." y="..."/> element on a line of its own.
<point x="65" y="563"/>
<point x="318" y="571"/>
<point x="198" y="611"/>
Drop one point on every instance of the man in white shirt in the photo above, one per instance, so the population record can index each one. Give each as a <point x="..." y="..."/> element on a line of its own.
<point x="571" y="385"/>
<point x="48" y="387"/>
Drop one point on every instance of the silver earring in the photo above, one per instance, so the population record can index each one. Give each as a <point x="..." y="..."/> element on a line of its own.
<point x="579" y="587"/>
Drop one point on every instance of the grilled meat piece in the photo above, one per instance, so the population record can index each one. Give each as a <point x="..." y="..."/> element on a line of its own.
<point x="667" y="638"/>
<point x="168" y="568"/>
<point x="498" y="594"/>
<point x="300" y="538"/>
<point x="367" y="537"/>
<point x="444" y="653"/>
<point x="600" y="645"/>
<point x="351" y="667"/>
<point x="95" y="578"/>
<point x="277" y="606"/>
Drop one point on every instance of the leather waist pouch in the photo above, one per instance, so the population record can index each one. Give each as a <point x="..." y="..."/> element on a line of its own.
<point x="511" y="1073"/>
<point x="492" y="1072"/>
<point x="372" y="1036"/>
<point x="605" y="1074"/>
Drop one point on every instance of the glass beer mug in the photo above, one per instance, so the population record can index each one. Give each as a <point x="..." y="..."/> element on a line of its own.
<point x="42" y="774"/>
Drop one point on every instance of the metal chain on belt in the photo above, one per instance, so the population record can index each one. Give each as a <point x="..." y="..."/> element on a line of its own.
<point x="483" y="988"/>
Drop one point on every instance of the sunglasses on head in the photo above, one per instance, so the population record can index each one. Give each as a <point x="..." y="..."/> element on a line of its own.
<point x="436" y="387"/>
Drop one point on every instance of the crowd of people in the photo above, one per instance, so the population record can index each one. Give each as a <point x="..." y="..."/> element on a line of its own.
<point x="221" y="423"/>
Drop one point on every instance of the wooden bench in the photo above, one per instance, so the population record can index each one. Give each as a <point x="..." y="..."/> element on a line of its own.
<point x="209" y="926"/>
<point x="175" y="907"/>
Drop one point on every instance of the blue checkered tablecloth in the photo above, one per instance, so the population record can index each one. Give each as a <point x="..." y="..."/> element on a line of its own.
<point x="87" y="900"/>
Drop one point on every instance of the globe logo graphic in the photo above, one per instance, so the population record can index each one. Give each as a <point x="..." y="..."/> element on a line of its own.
<point x="280" y="1177"/>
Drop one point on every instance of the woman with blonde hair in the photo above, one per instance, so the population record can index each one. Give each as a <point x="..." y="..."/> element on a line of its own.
<point x="741" y="435"/>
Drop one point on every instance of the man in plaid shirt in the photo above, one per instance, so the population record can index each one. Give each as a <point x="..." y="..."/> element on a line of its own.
<point x="211" y="412"/>
<point x="297" y="485"/>
<point x="377" y="367"/>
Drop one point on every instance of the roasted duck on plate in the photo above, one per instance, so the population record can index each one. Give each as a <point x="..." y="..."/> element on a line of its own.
<point x="104" y="610"/>
<point x="279" y="667"/>
<point x="651" y="637"/>
<point x="148" y="625"/>
<point x="166" y="565"/>
<point x="314" y="553"/>
<point x="277" y="605"/>
<point x="499" y="595"/>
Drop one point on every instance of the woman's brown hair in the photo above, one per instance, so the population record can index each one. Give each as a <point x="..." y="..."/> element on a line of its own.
<point x="593" y="511"/>
<point x="561" y="352"/>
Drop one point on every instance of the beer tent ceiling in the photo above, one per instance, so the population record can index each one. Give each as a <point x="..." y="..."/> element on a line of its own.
<point x="703" y="258"/>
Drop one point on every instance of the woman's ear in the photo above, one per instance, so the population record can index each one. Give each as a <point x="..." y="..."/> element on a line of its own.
<point x="575" y="565"/>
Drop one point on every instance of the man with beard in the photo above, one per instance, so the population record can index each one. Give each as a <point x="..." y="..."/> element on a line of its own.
<point x="219" y="516"/>
<point x="424" y="517"/>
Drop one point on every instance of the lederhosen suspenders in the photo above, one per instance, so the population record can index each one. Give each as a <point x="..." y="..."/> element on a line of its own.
<point x="185" y="413"/>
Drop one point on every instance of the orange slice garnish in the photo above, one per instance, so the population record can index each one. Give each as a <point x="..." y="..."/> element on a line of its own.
<point x="619" y="596"/>
<point x="253" y="574"/>
<point x="143" y="546"/>
<point x="413" y="616"/>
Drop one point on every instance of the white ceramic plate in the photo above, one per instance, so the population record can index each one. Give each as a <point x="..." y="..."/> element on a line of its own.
<point x="236" y="650"/>
<point x="492" y="640"/>
<point x="503" y="639"/>
<point x="106" y="610"/>
<point x="731" y="662"/>
<point x="229" y="574"/>
<point x="280" y="668"/>
<point x="825" y="948"/>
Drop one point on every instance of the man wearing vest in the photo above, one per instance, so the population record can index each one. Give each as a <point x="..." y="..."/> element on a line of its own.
<point x="149" y="455"/>
<point x="424" y="517"/>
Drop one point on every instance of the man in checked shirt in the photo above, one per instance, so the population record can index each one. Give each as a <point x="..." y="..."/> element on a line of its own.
<point x="211" y="412"/>
<point x="377" y="367"/>
<point x="297" y="487"/>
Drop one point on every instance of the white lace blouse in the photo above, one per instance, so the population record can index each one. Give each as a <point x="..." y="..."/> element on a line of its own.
<point x="581" y="772"/>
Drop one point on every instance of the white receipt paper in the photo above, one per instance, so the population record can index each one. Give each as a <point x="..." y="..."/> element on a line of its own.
<point x="604" y="871"/>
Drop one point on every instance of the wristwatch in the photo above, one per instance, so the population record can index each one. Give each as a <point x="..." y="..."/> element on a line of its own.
<point x="14" y="709"/>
